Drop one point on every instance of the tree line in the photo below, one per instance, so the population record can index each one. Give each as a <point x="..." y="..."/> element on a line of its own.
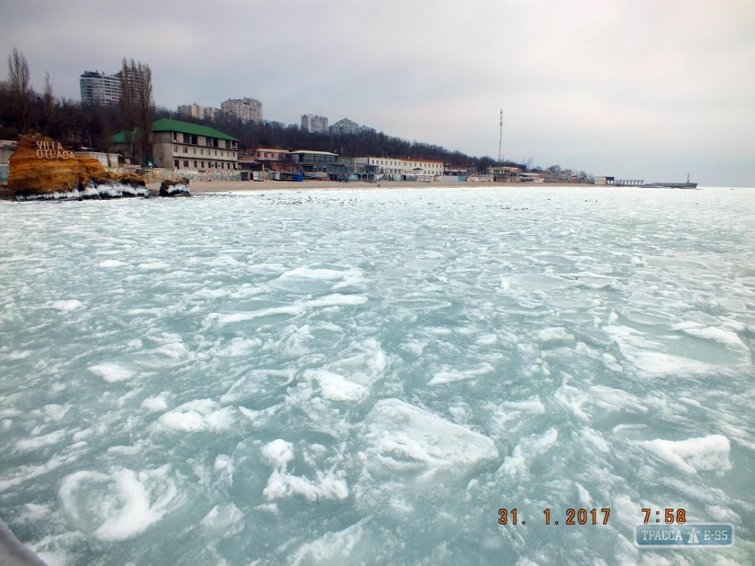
<point x="78" y="125"/>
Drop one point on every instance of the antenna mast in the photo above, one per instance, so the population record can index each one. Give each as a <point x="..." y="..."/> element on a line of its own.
<point x="500" y="136"/>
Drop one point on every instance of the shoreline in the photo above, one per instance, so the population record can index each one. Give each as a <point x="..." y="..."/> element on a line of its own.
<point x="210" y="187"/>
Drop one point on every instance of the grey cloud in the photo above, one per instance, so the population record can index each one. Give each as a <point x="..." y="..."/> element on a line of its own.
<point x="645" y="89"/>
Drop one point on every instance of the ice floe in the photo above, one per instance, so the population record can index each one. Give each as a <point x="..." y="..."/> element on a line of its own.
<point x="693" y="455"/>
<point x="119" y="505"/>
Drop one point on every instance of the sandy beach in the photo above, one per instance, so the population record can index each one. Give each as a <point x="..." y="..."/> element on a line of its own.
<point x="204" y="187"/>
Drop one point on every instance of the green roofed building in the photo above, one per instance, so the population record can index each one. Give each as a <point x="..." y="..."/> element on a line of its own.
<point x="183" y="145"/>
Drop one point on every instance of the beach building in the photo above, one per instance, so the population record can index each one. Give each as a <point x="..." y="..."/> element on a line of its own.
<point x="7" y="147"/>
<point x="505" y="174"/>
<point x="314" y="124"/>
<point x="312" y="157"/>
<point x="245" y="109"/>
<point x="531" y="177"/>
<point x="314" y="163"/>
<point x="604" y="180"/>
<point x="346" y="169"/>
<point x="272" y="155"/>
<point x="183" y="145"/>
<point x="397" y="169"/>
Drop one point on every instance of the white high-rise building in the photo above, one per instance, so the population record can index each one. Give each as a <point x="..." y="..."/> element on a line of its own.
<point x="314" y="124"/>
<point x="245" y="109"/>
<point x="99" y="88"/>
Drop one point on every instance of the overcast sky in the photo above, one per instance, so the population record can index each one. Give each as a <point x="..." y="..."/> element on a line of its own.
<point x="649" y="89"/>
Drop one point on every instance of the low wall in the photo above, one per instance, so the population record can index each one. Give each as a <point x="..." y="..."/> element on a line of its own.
<point x="157" y="175"/>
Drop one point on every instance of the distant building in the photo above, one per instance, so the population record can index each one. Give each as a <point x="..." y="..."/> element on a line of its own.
<point x="100" y="89"/>
<point x="505" y="174"/>
<point x="245" y="109"/>
<point x="314" y="124"/>
<point x="345" y="126"/>
<point x="197" y="111"/>
<point x="401" y="169"/>
<point x="183" y="145"/>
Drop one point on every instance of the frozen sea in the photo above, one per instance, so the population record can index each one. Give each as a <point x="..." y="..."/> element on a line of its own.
<point x="367" y="377"/>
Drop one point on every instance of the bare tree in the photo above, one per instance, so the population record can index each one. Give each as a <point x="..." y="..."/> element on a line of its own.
<point x="20" y="93"/>
<point x="49" y="108"/>
<point x="137" y="109"/>
<point x="128" y="118"/>
<point x="145" y="109"/>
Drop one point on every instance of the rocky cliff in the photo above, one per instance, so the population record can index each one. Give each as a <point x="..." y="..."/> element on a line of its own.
<point x="41" y="168"/>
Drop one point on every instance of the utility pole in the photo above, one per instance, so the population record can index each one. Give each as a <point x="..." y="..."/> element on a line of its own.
<point x="500" y="137"/>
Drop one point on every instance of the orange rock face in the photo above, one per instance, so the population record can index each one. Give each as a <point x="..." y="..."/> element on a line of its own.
<point x="41" y="166"/>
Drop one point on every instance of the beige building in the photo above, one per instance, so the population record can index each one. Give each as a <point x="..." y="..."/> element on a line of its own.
<point x="182" y="145"/>
<point x="270" y="154"/>
<point x="197" y="111"/>
<point x="314" y="124"/>
<point x="245" y="109"/>
<point x="394" y="167"/>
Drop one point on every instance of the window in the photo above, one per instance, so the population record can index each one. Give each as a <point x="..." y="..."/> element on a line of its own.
<point x="202" y="164"/>
<point x="186" y="149"/>
<point x="186" y="162"/>
<point x="195" y="163"/>
<point x="187" y="138"/>
<point x="175" y="149"/>
<point x="175" y="163"/>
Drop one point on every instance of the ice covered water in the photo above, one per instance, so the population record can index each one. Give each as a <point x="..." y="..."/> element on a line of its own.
<point x="356" y="377"/>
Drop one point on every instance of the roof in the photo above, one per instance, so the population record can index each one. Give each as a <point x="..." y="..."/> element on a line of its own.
<point x="314" y="152"/>
<point x="169" y="125"/>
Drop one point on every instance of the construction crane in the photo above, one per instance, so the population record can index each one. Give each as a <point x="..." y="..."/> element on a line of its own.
<point x="527" y="162"/>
